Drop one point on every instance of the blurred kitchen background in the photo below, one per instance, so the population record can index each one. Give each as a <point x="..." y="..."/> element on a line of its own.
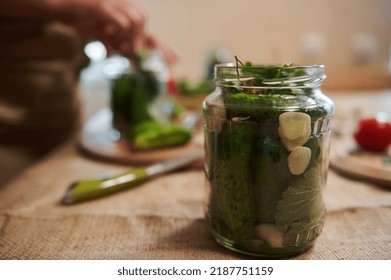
<point x="352" y="38"/>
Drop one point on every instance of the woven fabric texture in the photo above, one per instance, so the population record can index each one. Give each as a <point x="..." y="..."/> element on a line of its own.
<point x="163" y="218"/>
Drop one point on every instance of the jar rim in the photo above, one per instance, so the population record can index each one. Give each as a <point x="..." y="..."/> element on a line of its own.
<point x="271" y="76"/>
<point x="275" y="66"/>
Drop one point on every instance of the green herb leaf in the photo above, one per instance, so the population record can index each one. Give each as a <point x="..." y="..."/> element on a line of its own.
<point x="201" y="87"/>
<point x="301" y="232"/>
<point x="301" y="209"/>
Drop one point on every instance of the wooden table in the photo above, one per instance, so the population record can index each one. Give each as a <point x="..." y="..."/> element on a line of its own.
<point x="163" y="218"/>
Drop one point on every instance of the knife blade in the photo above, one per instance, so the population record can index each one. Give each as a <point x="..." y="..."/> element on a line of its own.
<point x="93" y="188"/>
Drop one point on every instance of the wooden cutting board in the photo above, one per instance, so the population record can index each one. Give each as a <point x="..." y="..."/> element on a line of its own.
<point x="361" y="164"/>
<point x="100" y="140"/>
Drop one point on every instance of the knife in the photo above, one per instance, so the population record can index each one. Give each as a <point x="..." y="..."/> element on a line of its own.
<point x="87" y="189"/>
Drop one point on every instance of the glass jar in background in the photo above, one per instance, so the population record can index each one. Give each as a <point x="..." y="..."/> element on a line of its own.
<point x="267" y="138"/>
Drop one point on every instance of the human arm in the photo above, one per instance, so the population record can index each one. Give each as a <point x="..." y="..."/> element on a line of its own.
<point x="119" y="24"/>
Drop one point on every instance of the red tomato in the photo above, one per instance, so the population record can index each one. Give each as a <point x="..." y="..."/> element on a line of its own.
<point x="373" y="135"/>
<point x="172" y="87"/>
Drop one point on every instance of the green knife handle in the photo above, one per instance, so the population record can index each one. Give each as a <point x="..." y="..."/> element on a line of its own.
<point x="94" y="188"/>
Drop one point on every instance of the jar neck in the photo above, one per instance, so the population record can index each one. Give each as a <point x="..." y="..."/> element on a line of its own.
<point x="268" y="79"/>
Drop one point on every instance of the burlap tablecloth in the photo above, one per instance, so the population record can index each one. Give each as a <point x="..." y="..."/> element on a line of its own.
<point x="163" y="218"/>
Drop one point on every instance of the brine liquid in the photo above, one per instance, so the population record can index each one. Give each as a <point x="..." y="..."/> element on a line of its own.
<point x="247" y="184"/>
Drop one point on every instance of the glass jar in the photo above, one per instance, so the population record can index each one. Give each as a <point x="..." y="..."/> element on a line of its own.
<point x="267" y="139"/>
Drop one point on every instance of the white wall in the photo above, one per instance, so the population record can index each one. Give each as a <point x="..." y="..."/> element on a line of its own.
<point x="274" y="31"/>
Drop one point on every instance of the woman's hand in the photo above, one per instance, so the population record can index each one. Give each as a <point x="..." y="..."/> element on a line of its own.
<point x="118" y="24"/>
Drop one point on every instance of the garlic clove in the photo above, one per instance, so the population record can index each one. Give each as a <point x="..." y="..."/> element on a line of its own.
<point x="295" y="126"/>
<point x="299" y="159"/>
<point x="271" y="234"/>
<point x="290" y="145"/>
